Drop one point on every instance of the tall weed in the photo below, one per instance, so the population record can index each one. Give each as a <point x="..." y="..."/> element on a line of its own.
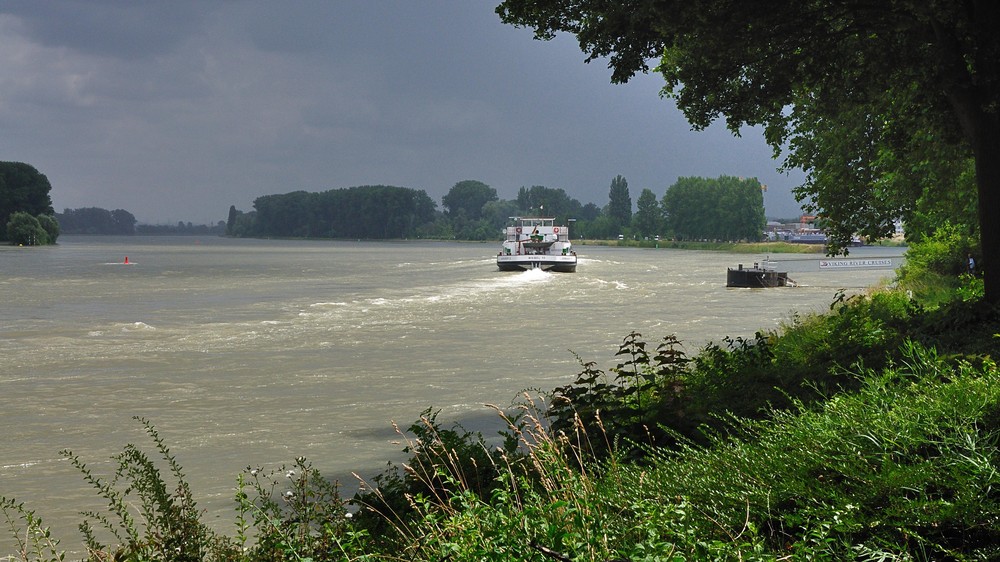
<point x="293" y="514"/>
<point x="34" y="540"/>
<point x="147" y="517"/>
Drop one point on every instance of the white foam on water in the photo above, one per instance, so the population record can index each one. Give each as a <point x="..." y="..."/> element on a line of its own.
<point x="536" y="275"/>
<point x="615" y="284"/>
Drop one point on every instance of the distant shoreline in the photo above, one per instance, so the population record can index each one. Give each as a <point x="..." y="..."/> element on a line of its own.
<point x="733" y="247"/>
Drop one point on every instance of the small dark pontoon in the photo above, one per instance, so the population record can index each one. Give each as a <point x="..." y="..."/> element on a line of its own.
<point x="757" y="276"/>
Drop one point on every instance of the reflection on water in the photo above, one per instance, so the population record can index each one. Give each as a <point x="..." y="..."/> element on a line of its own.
<point x="255" y="352"/>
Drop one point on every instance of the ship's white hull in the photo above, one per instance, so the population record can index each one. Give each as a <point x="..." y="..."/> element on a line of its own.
<point x="562" y="264"/>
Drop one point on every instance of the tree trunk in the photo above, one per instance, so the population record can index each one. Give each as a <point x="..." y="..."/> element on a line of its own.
<point x="987" y="153"/>
<point x="974" y="97"/>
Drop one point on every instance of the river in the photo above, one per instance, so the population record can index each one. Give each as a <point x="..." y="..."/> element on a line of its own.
<point x="254" y="352"/>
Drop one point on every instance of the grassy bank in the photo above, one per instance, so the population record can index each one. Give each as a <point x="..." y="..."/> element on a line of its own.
<point x="870" y="432"/>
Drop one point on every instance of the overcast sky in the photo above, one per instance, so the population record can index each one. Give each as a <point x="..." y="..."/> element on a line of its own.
<point x="177" y="110"/>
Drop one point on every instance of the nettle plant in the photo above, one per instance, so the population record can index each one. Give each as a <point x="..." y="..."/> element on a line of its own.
<point x="644" y="391"/>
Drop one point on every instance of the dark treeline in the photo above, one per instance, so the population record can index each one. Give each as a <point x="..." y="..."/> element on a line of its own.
<point x="371" y="211"/>
<point x="182" y="228"/>
<point x="95" y="220"/>
<point x="727" y="208"/>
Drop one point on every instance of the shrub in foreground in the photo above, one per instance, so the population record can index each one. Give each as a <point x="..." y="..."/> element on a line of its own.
<point x="904" y="469"/>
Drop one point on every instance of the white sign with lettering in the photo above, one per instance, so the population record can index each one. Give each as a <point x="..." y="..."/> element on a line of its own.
<point x="867" y="263"/>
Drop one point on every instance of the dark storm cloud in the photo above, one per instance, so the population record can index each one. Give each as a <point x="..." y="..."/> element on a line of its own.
<point x="176" y="110"/>
<point x="114" y="28"/>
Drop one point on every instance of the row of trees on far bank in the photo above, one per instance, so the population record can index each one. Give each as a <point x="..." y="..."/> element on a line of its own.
<point x="94" y="220"/>
<point x="371" y="211"/>
<point x="726" y="208"/>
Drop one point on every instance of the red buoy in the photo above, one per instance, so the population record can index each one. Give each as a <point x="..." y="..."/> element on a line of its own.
<point x="126" y="259"/>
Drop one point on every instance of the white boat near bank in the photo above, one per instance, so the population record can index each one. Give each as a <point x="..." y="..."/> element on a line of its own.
<point x="536" y="243"/>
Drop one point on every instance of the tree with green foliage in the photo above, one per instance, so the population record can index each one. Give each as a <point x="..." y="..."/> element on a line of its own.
<point x="51" y="227"/>
<point x="86" y="220"/>
<point x="865" y="97"/>
<point x="466" y="198"/>
<point x="589" y="212"/>
<point x="95" y="220"/>
<point x="231" y="220"/>
<point x="465" y="207"/>
<point x="742" y="206"/>
<point x="124" y="221"/>
<point x="546" y="201"/>
<point x="946" y="206"/>
<point x="286" y="215"/>
<point x="686" y="207"/>
<point x="497" y="213"/>
<point x="619" y="202"/>
<point x="648" y="218"/>
<point x="244" y="225"/>
<point x="600" y="228"/>
<point x="726" y="208"/>
<point x="25" y="230"/>
<point x="23" y="189"/>
<point x="370" y="211"/>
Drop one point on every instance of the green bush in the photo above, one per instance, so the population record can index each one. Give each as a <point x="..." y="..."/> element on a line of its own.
<point x="654" y="397"/>
<point x="51" y="227"/>
<point x="935" y="263"/>
<point x="945" y="252"/>
<point x="34" y="540"/>
<point x="904" y="469"/>
<point x="862" y="328"/>
<point x="26" y="230"/>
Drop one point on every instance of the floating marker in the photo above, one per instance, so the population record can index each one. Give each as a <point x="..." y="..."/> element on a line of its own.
<point x="126" y="259"/>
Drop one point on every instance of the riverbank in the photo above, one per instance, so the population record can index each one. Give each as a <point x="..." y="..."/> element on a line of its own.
<point x="732" y="247"/>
